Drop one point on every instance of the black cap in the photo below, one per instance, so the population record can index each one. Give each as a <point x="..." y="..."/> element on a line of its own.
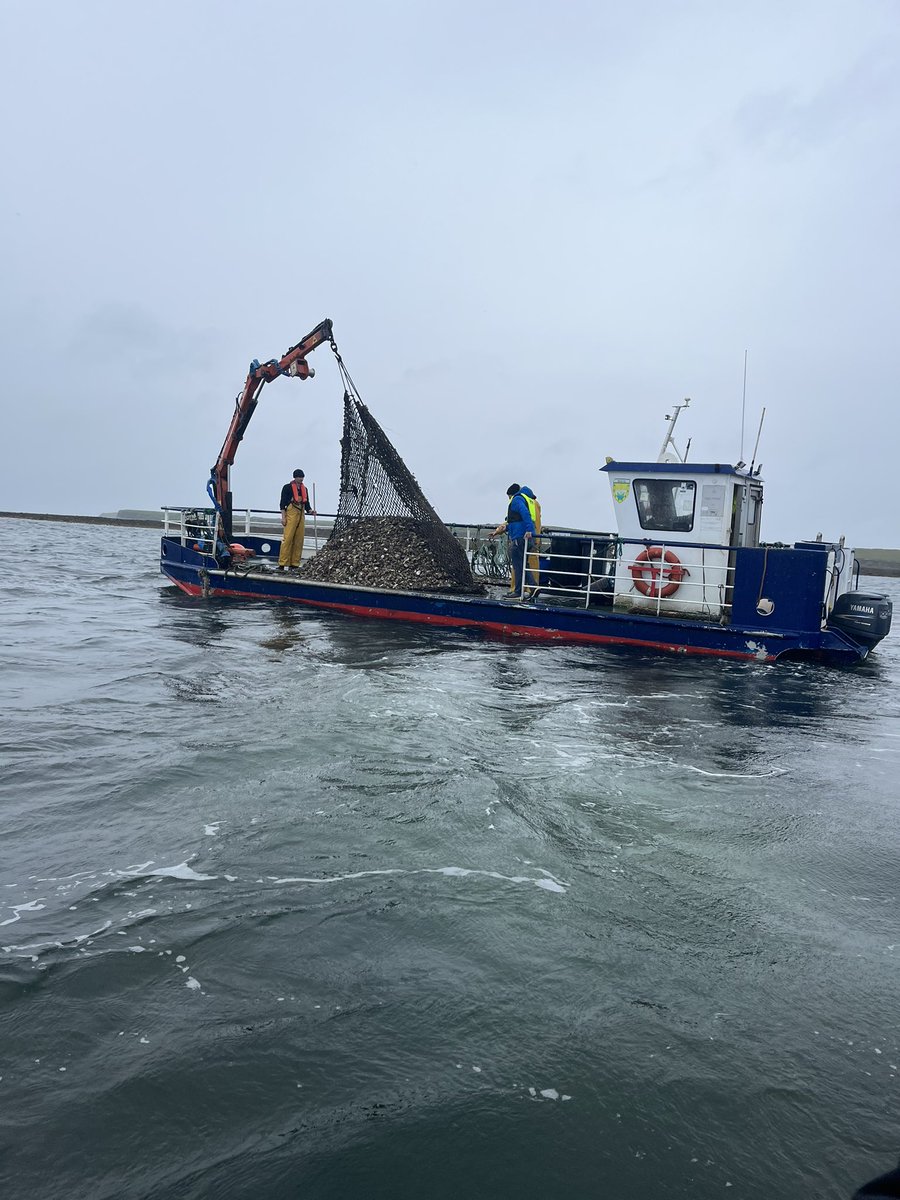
<point x="512" y="489"/>
<point x="298" y="474"/>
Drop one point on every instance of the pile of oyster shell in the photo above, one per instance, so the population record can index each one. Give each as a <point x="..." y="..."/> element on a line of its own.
<point x="397" y="553"/>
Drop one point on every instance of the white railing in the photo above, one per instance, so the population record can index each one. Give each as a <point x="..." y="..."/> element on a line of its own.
<point x="194" y="524"/>
<point x="591" y="572"/>
<point x="587" y="571"/>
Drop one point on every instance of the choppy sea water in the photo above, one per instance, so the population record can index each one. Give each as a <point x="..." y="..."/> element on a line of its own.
<point x="294" y="905"/>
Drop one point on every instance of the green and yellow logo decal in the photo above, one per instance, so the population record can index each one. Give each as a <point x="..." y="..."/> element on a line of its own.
<point x="620" y="490"/>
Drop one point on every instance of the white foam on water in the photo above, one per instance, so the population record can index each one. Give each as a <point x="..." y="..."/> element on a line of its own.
<point x="137" y="949"/>
<point x="735" y="774"/>
<point x="76" y="941"/>
<point x="548" y="1094"/>
<point x="550" y="875"/>
<point x="193" y="984"/>
<point x="179" y="958"/>
<point x="212" y="829"/>
<point x="180" y="871"/>
<point x="54" y="878"/>
<point x="335" y="878"/>
<point x="18" y="909"/>
<point x="547" y="884"/>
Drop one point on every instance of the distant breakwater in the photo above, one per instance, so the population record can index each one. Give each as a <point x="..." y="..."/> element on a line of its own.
<point x="878" y="562"/>
<point x="72" y="520"/>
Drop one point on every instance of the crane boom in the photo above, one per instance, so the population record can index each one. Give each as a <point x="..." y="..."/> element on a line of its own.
<point x="292" y="362"/>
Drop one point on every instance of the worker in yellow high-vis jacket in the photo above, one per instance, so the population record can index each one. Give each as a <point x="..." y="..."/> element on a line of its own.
<point x="534" y="507"/>
<point x="519" y="528"/>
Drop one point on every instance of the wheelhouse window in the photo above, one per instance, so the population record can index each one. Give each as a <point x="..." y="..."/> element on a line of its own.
<point x="666" y="503"/>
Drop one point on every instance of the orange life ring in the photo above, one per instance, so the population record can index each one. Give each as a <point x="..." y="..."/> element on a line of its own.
<point x="646" y="574"/>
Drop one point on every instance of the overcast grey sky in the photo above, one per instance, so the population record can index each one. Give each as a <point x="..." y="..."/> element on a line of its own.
<point x="536" y="227"/>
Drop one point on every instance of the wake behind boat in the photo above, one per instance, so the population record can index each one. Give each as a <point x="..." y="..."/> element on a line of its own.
<point x="685" y="571"/>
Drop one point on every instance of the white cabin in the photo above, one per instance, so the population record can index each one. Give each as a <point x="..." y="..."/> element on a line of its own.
<point x="679" y="522"/>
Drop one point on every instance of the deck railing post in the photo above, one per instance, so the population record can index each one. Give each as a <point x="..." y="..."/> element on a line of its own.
<point x="587" y="596"/>
<point x="659" y="585"/>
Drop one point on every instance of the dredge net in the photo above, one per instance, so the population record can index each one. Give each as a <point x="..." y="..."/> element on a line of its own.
<point x="385" y="534"/>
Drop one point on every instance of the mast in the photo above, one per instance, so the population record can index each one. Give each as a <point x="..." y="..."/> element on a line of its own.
<point x="668" y="441"/>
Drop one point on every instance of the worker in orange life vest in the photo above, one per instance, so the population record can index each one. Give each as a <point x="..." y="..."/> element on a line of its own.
<point x="294" y="507"/>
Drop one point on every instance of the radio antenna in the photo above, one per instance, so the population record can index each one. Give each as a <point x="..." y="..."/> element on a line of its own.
<point x="762" y="417"/>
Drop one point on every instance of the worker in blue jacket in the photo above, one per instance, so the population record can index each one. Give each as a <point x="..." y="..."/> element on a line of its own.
<point x="519" y="528"/>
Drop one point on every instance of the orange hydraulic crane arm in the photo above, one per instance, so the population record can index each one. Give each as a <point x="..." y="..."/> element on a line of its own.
<point x="293" y="362"/>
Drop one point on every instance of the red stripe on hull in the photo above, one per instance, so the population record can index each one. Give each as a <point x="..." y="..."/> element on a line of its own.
<point x="192" y="589"/>
<point x="500" y="627"/>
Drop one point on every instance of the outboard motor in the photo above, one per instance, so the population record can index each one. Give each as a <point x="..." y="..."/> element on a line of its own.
<point x="864" y="617"/>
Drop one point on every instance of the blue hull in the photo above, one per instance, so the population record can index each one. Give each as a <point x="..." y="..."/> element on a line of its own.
<point x="200" y="575"/>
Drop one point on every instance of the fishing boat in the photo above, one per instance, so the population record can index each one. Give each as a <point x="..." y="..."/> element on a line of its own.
<point x="685" y="571"/>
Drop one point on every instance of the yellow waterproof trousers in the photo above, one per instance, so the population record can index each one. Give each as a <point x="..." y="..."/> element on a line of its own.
<point x="534" y="562"/>
<point x="534" y="567"/>
<point x="292" y="538"/>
